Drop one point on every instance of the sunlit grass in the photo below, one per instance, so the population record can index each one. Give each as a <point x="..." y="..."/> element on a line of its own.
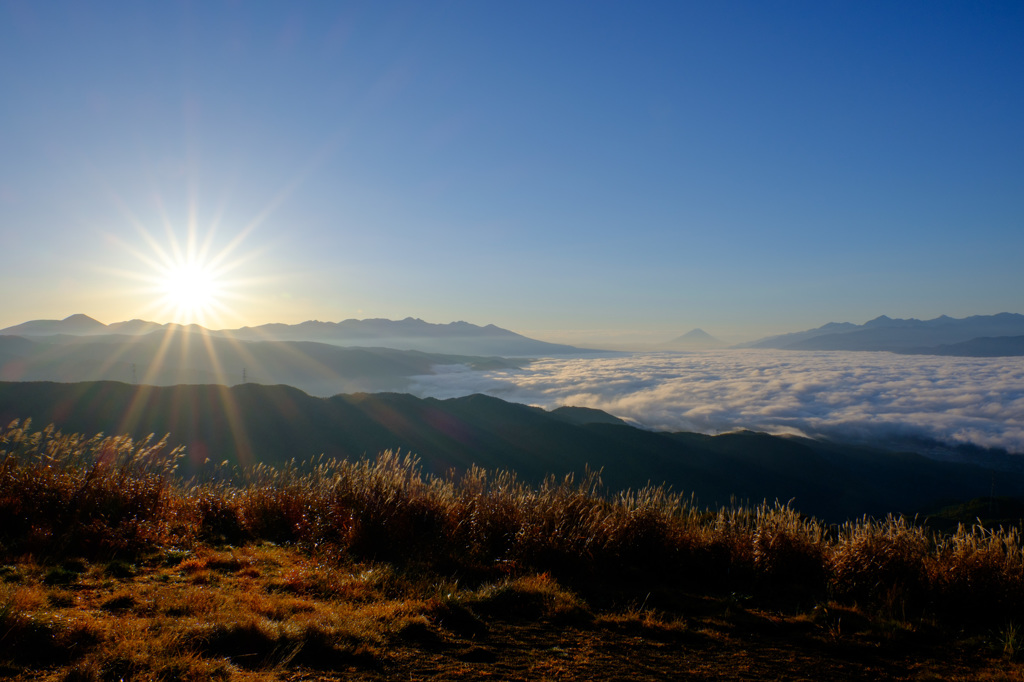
<point x="331" y="564"/>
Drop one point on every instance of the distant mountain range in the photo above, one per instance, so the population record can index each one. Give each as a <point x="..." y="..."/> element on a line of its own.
<point x="251" y="423"/>
<point x="460" y="338"/>
<point x="182" y="356"/>
<point x="979" y="335"/>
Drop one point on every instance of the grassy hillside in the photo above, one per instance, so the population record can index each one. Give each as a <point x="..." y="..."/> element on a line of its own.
<point x="116" y="569"/>
<point x="251" y="424"/>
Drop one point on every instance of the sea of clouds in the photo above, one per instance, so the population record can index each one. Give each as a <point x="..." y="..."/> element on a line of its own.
<point x="839" y="395"/>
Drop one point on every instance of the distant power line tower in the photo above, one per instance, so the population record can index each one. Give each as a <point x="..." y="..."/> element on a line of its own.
<point x="244" y="379"/>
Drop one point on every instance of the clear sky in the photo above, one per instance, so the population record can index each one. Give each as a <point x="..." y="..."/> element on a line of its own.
<point x="576" y="171"/>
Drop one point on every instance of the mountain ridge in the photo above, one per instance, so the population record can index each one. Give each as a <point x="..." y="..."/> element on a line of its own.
<point x="250" y="424"/>
<point x="936" y="336"/>
<point x="410" y="333"/>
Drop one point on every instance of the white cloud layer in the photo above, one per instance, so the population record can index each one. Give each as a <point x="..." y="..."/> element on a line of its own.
<point x="831" y="394"/>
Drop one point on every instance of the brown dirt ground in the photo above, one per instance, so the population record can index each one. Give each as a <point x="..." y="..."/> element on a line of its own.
<point x="703" y="638"/>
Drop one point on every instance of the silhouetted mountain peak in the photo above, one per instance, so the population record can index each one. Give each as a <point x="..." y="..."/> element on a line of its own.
<point x="81" y="319"/>
<point x="695" y="339"/>
<point x="77" y="324"/>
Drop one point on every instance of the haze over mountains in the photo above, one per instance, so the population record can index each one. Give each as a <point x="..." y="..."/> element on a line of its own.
<point x="408" y="334"/>
<point x="321" y="358"/>
<point x="978" y="335"/>
<point x="969" y="336"/>
<point x="184" y="357"/>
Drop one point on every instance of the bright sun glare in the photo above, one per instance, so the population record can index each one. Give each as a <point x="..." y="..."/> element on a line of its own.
<point x="189" y="280"/>
<point x="191" y="289"/>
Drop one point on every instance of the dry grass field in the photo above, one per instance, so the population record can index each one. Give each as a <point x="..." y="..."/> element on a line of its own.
<point x="113" y="569"/>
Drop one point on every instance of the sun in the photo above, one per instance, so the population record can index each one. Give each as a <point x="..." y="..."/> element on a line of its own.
<point x="191" y="289"/>
<point x="190" y="280"/>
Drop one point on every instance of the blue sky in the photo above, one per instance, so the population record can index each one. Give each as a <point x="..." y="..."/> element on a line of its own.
<point x="589" y="172"/>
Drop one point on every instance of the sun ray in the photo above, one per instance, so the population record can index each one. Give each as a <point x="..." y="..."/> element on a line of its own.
<point x="151" y="374"/>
